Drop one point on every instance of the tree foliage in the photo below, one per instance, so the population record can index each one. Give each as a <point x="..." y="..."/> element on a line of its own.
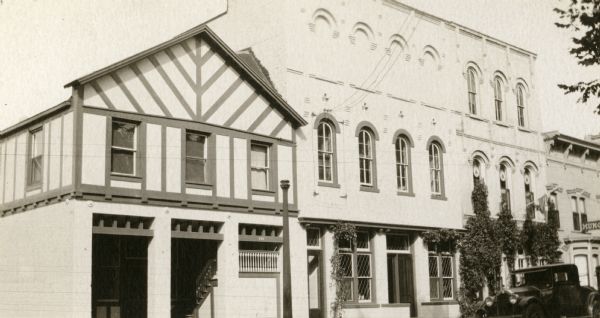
<point x="508" y="235"/>
<point x="341" y="232"/>
<point x="583" y="18"/>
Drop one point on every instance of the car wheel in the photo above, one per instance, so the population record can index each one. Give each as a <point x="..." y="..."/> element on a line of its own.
<point x="596" y="308"/>
<point x="534" y="311"/>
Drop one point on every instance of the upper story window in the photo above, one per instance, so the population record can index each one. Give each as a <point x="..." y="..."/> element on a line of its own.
<point x="124" y="148"/>
<point x="472" y="89"/>
<point x="504" y="187"/>
<point x="326" y="153"/>
<point x="366" y="156"/>
<point x="521" y="105"/>
<point x="579" y="213"/>
<point x="36" y="151"/>
<point x="498" y="100"/>
<point x="529" y="196"/>
<point x="260" y="169"/>
<point x="553" y="214"/>
<point x="477" y="171"/>
<point x="403" y="163"/>
<point x="195" y="157"/>
<point x="436" y="168"/>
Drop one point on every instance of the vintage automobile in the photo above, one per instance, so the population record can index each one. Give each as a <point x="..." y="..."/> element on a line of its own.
<point x="543" y="292"/>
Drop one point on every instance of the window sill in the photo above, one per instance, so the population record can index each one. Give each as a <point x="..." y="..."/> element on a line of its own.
<point x="405" y="193"/>
<point x="360" y="305"/>
<point x="263" y="192"/>
<point x="523" y="129"/>
<point x="372" y="189"/>
<point x="502" y="124"/>
<point x="329" y="184"/>
<point x="194" y="185"/>
<point x="440" y="197"/>
<point x="476" y="117"/>
<point x="439" y="302"/>
<point x="124" y="177"/>
<point x="396" y="305"/>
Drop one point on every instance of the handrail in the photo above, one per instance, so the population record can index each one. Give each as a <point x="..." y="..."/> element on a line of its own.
<point x="203" y="281"/>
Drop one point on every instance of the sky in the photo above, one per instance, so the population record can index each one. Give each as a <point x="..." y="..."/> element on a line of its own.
<point x="47" y="43"/>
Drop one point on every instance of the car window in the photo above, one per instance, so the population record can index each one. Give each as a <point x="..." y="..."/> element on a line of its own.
<point x="539" y="279"/>
<point x="560" y="277"/>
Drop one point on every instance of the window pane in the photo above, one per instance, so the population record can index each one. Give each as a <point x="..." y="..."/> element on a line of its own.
<point x="259" y="156"/>
<point x="194" y="145"/>
<point x="36" y="170"/>
<point x="434" y="288"/>
<point x="573" y="204"/>
<point x="36" y="143"/>
<point x="123" y="135"/>
<point x="364" y="289"/>
<point x="433" y="266"/>
<point x="363" y="265"/>
<point x="259" y="179"/>
<point x="362" y="240"/>
<point x="349" y="291"/>
<point x="447" y="287"/>
<point x="397" y="242"/>
<point x="576" y="226"/>
<point x="122" y="161"/>
<point x="447" y="266"/>
<point x="194" y="170"/>
<point x="313" y="237"/>
<point x="346" y="265"/>
<point x="581" y="206"/>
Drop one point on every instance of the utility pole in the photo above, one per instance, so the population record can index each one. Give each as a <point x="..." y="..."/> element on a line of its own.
<point x="287" y="275"/>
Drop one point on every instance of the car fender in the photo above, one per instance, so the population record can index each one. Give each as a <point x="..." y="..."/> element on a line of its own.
<point x="590" y="299"/>
<point x="526" y="300"/>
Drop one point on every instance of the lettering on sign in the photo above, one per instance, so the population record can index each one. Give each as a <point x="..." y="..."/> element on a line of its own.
<point x="593" y="225"/>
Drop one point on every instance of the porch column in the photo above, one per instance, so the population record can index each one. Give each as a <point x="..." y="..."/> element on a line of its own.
<point x="159" y="269"/>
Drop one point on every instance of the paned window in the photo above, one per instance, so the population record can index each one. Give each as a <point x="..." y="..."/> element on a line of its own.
<point x="477" y="166"/>
<point x="259" y="162"/>
<point x="402" y="164"/>
<point x="313" y="237"/>
<point x="124" y="148"/>
<point x="195" y="157"/>
<point x="36" y="151"/>
<point x="356" y="268"/>
<point x="553" y="214"/>
<point x="498" y="98"/>
<point x="576" y="222"/>
<point x="579" y="213"/>
<point x="325" y="135"/>
<point x="521" y="105"/>
<point x="435" y="168"/>
<point x="441" y="273"/>
<point x="366" y="157"/>
<point x="529" y="196"/>
<point x="504" y="188"/>
<point x="472" y="90"/>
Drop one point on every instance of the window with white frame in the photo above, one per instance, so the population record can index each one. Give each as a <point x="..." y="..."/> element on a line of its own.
<point x="472" y="89"/>
<point x="124" y="148"/>
<point x="435" y="168"/>
<point x="521" y="105"/>
<point x="259" y="166"/>
<point x="498" y="98"/>
<point x="36" y="152"/>
<point x="195" y="157"/>
<point x="579" y="213"/>
<point x="326" y="154"/>
<point x="441" y="272"/>
<point x="365" y="157"/>
<point x="356" y="267"/>
<point x="402" y="164"/>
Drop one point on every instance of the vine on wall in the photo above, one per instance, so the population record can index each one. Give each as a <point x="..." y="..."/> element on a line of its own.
<point x="341" y="232"/>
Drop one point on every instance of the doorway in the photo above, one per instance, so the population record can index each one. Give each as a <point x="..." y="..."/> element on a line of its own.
<point x="315" y="284"/>
<point x="400" y="280"/>
<point x="119" y="276"/>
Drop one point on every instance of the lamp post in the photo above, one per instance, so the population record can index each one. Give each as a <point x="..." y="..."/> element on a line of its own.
<point x="287" y="275"/>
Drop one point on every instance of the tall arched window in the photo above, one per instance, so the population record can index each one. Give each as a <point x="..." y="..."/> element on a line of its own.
<point x="521" y="105"/>
<point x="477" y="166"/>
<point x="326" y="153"/>
<point x="498" y="98"/>
<point x="529" y="196"/>
<point x="402" y="164"/>
<point x="435" y="168"/>
<point x="504" y="187"/>
<point x="366" y="156"/>
<point x="472" y="89"/>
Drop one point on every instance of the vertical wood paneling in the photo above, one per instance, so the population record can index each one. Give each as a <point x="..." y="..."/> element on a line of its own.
<point x="93" y="158"/>
<point x="240" y="172"/>
<point x="54" y="167"/>
<point x="9" y="184"/>
<point x="153" y="157"/>
<point x="46" y="160"/>
<point x="284" y="170"/>
<point x="67" y="146"/>
<point x="21" y="159"/>
<point x="223" y="166"/>
<point x="173" y="160"/>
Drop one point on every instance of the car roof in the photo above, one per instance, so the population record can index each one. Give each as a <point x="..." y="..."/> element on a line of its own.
<point x="543" y="267"/>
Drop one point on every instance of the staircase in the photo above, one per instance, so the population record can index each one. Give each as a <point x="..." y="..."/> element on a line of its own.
<point x="205" y="282"/>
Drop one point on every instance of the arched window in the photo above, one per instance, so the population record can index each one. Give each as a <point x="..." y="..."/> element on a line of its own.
<point x="472" y="89"/>
<point x="529" y="196"/>
<point x="402" y="163"/>
<point x="521" y="105"/>
<point x="435" y="168"/>
<point x="504" y="187"/>
<point x="366" y="157"/>
<point x="477" y="166"/>
<point x="498" y="98"/>
<point x="326" y="151"/>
